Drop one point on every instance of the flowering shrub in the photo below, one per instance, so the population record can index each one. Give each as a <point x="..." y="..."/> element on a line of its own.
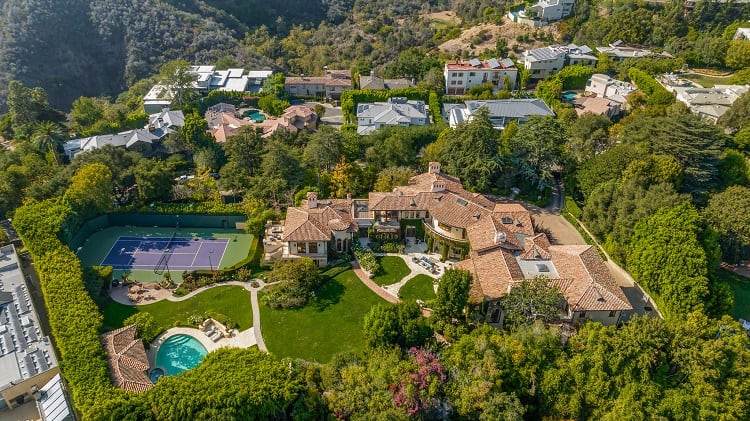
<point x="419" y="391"/>
<point x="367" y="260"/>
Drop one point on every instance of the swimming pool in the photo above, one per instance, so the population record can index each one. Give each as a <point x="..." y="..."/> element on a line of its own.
<point x="569" y="96"/>
<point x="179" y="353"/>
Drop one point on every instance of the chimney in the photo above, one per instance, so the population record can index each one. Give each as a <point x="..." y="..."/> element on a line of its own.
<point x="348" y="197"/>
<point x="500" y="237"/>
<point x="434" y="168"/>
<point x="437" y="186"/>
<point x="312" y="200"/>
<point x="372" y="73"/>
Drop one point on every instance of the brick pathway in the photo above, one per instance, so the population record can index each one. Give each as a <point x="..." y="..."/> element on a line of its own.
<point x="362" y="275"/>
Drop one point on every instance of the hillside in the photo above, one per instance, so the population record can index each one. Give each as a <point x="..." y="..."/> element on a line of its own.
<point x="79" y="47"/>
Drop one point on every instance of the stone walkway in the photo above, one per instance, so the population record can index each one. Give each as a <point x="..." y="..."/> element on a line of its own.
<point x="244" y="339"/>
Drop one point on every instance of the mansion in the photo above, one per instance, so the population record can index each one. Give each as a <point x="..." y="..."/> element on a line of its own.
<point x="497" y="243"/>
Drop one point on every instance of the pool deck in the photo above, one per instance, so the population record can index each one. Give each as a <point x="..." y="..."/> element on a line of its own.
<point x="244" y="339"/>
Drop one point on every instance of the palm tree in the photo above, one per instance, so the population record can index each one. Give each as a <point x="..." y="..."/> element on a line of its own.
<point x="48" y="137"/>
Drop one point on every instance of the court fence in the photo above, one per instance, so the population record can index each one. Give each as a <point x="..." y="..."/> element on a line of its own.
<point x="150" y="220"/>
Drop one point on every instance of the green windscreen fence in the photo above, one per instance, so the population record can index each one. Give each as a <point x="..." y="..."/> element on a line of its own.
<point x="152" y="220"/>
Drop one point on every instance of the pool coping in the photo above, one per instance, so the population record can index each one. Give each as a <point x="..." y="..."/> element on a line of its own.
<point x="244" y="339"/>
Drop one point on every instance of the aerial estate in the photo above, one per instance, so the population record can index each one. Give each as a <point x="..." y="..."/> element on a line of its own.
<point x="356" y="210"/>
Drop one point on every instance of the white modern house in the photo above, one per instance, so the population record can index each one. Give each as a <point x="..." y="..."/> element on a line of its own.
<point x="550" y="10"/>
<point x="460" y="75"/>
<point x="619" y="51"/>
<point x="396" y="112"/>
<point x="546" y="61"/>
<point x="207" y="79"/>
<point x="501" y="111"/>
<point x="606" y="87"/>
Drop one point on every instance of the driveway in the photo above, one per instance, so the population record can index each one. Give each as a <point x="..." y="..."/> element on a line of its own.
<point x="333" y="115"/>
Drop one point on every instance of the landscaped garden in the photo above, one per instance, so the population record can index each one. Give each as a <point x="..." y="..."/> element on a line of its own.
<point x="231" y="302"/>
<point x="419" y="287"/>
<point x="330" y="323"/>
<point x="392" y="269"/>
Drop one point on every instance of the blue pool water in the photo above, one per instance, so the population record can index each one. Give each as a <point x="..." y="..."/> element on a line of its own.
<point x="569" y="96"/>
<point x="179" y="353"/>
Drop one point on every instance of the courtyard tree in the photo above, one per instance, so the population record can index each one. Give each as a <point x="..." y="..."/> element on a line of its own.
<point x="532" y="300"/>
<point x="728" y="213"/>
<point x="179" y="79"/>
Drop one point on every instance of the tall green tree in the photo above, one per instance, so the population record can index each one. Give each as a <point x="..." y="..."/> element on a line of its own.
<point x="728" y="213"/>
<point x="179" y="78"/>
<point x="91" y="190"/>
<point x="49" y="137"/>
<point x="452" y="296"/>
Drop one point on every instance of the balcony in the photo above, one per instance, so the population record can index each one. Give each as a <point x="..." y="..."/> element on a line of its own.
<point x="444" y="234"/>
<point x="387" y="226"/>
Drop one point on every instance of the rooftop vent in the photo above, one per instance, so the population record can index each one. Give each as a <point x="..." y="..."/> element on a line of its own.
<point x="462" y="202"/>
<point x="500" y="237"/>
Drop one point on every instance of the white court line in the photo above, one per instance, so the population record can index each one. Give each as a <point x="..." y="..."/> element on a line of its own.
<point x="113" y="247"/>
<point x="192" y="264"/>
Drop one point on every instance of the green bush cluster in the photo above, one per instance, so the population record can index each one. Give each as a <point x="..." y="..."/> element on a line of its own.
<point x="367" y="260"/>
<point x="657" y="94"/>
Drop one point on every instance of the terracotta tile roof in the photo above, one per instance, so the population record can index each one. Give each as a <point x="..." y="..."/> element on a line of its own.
<point x="271" y="125"/>
<point x="592" y="288"/>
<point x="127" y="359"/>
<point x="223" y="132"/>
<point x="536" y="247"/>
<point x="494" y="271"/>
<point x="317" y="224"/>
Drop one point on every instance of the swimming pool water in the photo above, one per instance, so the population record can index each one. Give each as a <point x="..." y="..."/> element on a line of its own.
<point x="179" y="353"/>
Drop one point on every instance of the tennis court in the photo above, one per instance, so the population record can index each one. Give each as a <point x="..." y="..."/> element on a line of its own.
<point x="166" y="253"/>
<point x="138" y="251"/>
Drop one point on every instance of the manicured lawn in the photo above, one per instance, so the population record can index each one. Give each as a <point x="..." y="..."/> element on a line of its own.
<point x="418" y="288"/>
<point x="392" y="269"/>
<point x="231" y="301"/>
<point x="707" y="81"/>
<point x="330" y="324"/>
<point x="741" y="287"/>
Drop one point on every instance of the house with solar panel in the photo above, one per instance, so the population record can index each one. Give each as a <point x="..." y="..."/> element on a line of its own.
<point x="27" y="360"/>
<point x="460" y="75"/>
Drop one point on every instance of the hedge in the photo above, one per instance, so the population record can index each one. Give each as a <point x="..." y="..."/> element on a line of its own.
<point x="74" y="318"/>
<point x="657" y="94"/>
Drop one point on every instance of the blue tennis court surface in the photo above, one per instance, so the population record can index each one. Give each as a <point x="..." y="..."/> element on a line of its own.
<point x="177" y="253"/>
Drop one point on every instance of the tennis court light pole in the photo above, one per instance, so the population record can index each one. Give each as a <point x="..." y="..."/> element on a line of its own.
<point x="210" y="252"/>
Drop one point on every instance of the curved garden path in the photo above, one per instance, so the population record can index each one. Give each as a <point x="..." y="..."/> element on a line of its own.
<point x="377" y="289"/>
<point x="120" y="295"/>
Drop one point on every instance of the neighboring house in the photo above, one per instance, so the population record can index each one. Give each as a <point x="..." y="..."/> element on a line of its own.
<point x="599" y="106"/>
<point x="207" y="79"/>
<point x="396" y="112"/>
<point x="157" y="98"/>
<point x="330" y="85"/>
<point x="27" y="359"/>
<point x="376" y="83"/>
<point x="620" y="51"/>
<point x="742" y="33"/>
<point x="53" y="403"/>
<point x="497" y="243"/>
<point x="461" y="75"/>
<point x="223" y="125"/>
<point x="608" y="88"/>
<point x="145" y="140"/>
<point x="710" y="103"/>
<point x="550" y="10"/>
<point x="501" y="111"/>
<point x="256" y="79"/>
<point x="165" y="122"/>
<point x="294" y="119"/>
<point x="127" y="360"/>
<point x="545" y="61"/>
<point x="311" y="229"/>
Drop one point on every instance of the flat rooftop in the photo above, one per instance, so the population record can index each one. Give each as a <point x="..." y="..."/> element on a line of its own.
<point x="24" y="351"/>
